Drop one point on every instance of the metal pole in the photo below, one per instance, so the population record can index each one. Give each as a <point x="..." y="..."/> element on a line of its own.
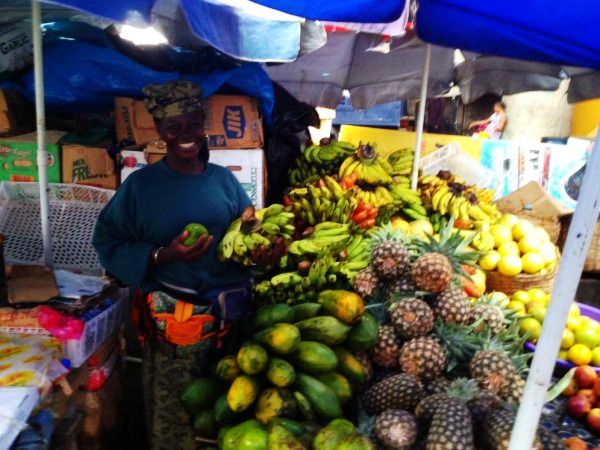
<point x="42" y="154"/>
<point x="569" y="273"/>
<point x="421" y="118"/>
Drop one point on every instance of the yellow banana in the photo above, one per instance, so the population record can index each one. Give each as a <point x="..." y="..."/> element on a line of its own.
<point x="463" y="210"/>
<point x="352" y="167"/>
<point x="344" y="166"/>
<point x="444" y="203"/>
<point x="334" y="186"/>
<point x="437" y="196"/>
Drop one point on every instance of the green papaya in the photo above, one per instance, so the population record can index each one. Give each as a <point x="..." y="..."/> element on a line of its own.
<point x="296" y="428"/>
<point x="282" y="338"/>
<point x="356" y="442"/>
<point x="349" y="365"/>
<point x="254" y="439"/>
<point x="325" y="329"/>
<point x="322" y="398"/>
<point x="242" y="393"/>
<point x="305" y="311"/>
<point x="281" y="373"/>
<point x="363" y="335"/>
<point x="252" y="358"/>
<point x="269" y="315"/>
<point x="313" y="357"/>
<point x="330" y="437"/>
<point x="227" y="369"/>
<point x="233" y="436"/>
<point x="281" y="439"/>
<point x="199" y="394"/>
<point x="339" y="384"/>
<point x="223" y="413"/>
<point x="347" y="306"/>
<point x="204" y="424"/>
<point x="274" y="402"/>
<point x="305" y="407"/>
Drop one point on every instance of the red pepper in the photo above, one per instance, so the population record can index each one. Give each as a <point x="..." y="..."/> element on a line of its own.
<point x="360" y="216"/>
<point x="373" y="213"/>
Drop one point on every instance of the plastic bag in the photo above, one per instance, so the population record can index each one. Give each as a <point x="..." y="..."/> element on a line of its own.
<point x="61" y="326"/>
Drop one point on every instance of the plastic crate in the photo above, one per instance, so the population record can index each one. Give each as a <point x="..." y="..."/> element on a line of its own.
<point x="73" y="213"/>
<point x="453" y="158"/>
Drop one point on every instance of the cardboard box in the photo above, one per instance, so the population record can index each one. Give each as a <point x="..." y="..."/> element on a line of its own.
<point x="133" y="121"/>
<point x="533" y="197"/>
<point x="249" y="167"/>
<point x="233" y="122"/>
<point x="30" y="284"/>
<point x="88" y="165"/>
<point x="17" y="114"/>
<point x="18" y="157"/>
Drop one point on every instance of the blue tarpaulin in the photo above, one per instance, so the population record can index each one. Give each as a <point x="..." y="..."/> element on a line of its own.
<point x="553" y="31"/>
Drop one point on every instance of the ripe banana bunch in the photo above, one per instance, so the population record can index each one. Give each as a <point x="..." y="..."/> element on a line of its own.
<point x="483" y="241"/>
<point x="266" y="243"/>
<point x="327" y="237"/>
<point x="409" y="201"/>
<point x="369" y="167"/>
<point x="463" y="205"/>
<point x="402" y="161"/>
<point x="357" y="257"/>
<point x="379" y="196"/>
<point x="327" y="201"/>
<point x="320" y="160"/>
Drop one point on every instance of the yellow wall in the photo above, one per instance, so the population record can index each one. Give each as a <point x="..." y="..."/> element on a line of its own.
<point x="388" y="141"/>
<point x="586" y="116"/>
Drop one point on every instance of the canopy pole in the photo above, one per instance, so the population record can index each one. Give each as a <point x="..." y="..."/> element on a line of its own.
<point x="569" y="273"/>
<point x="421" y="118"/>
<point x="42" y="154"/>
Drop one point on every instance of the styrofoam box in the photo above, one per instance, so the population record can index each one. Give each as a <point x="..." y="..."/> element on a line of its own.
<point x="97" y="330"/>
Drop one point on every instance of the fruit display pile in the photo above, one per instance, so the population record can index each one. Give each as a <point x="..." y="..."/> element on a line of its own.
<point x="370" y="324"/>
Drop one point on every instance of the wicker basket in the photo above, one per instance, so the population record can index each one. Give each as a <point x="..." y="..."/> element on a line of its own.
<point x="592" y="262"/>
<point x="509" y="285"/>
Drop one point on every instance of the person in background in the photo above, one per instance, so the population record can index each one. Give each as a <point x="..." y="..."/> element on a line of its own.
<point x="190" y="299"/>
<point x="495" y="124"/>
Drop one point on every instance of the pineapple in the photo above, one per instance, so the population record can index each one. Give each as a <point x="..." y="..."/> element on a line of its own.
<point x="423" y="357"/>
<point x="396" y="429"/>
<point x="480" y="405"/>
<point x="484" y="314"/>
<point x="389" y="254"/>
<point x="432" y="272"/>
<point x="411" y="317"/>
<point x="401" y="391"/>
<point x="438" y="385"/>
<point x="387" y="348"/>
<point x="453" y="306"/>
<point x="401" y="285"/>
<point x="427" y="407"/>
<point x="365" y="282"/>
<point x="497" y="429"/>
<point x="513" y="391"/>
<point x="493" y="370"/>
<point x="451" y="427"/>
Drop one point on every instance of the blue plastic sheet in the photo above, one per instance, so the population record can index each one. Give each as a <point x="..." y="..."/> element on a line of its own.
<point x="79" y="76"/>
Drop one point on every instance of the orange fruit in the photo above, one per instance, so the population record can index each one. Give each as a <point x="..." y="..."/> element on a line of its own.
<point x="510" y="265"/>
<point x="579" y="355"/>
<point x="522" y="228"/>
<point x="533" y="262"/>
<point x="509" y="248"/>
<point x="530" y="243"/>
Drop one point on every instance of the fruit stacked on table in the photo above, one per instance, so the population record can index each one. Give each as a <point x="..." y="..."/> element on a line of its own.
<point x="519" y="247"/>
<point x="584" y="396"/>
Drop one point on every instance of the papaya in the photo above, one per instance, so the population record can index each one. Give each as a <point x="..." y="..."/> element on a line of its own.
<point x="330" y="437"/>
<point x="282" y="439"/>
<point x="282" y="338"/>
<point x="242" y="393"/>
<point x="325" y="329"/>
<point x="254" y="439"/>
<point x="221" y="435"/>
<point x="313" y="357"/>
<point x="356" y="442"/>
<point x="339" y="384"/>
<point x="233" y="436"/>
<point x="269" y="315"/>
<point x="223" y="413"/>
<point x="305" y="311"/>
<point x="347" y="306"/>
<point x="204" y="424"/>
<point x="252" y="358"/>
<point x="349" y="366"/>
<point x="227" y="369"/>
<point x="322" y="398"/>
<point x="296" y="428"/>
<point x="281" y="373"/>
<point x="274" y="402"/>
<point x="363" y="334"/>
<point x="304" y="406"/>
<point x="199" y="394"/>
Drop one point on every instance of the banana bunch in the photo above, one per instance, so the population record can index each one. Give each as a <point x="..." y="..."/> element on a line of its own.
<point x="483" y="241"/>
<point x="402" y="161"/>
<point x="327" y="238"/>
<point x="409" y="201"/>
<point x="378" y="196"/>
<point x="453" y="200"/>
<point x="369" y="167"/>
<point x="320" y="160"/>
<point x="327" y="201"/>
<point x="262" y="243"/>
<point x="427" y="185"/>
<point x="356" y="257"/>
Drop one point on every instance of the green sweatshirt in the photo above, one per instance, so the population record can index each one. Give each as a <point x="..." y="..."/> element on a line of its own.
<point x="151" y="208"/>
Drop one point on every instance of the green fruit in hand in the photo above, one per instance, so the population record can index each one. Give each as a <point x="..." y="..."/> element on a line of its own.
<point x="196" y="230"/>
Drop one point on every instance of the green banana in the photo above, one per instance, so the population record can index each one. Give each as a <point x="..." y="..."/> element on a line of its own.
<point x="260" y="239"/>
<point x="272" y="210"/>
<point x="225" y="250"/>
<point x="413" y="214"/>
<point x="286" y="279"/>
<point x="239" y="246"/>
<point x="277" y="220"/>
<point x="270" y="228"/>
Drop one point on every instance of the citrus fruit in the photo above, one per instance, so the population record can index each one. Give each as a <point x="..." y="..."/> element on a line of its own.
<point x="533" y="262"/>
<point x="536" y="294"/>
<point x="521" y="296"/>
<point x="533" y="305"/>
<point x="568" y="339"/>
<point x="479" y="279"/>
<point x="542" y="234"/>
<point x="579" y="355"/>
<point x="593" y="325"/>
<point x="573" y="323"/>
<point x="490" y="261"/>
<point x="501" y="234"/>
<point x="530" y="327"/>
<point x="574" y="311"/>
<point x="510" y="265"/>
<point x="400" y="224"/>
<point x="500" y="298"/>
<point x="548" y="251"/>
<point x="522" y="228"/>
<point x="596" y="356"/>
<point x="421" y="226"/>
<point x="587" y="337"/>
<point x="509" y="248"/>
<point x="563" y="354"/>
<point x="510" y="220"/>
<point x="537" y="312"/>
<point x="530" y="243"/>
<point x="516" y="306"/>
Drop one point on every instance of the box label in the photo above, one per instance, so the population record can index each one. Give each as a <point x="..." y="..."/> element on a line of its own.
<point x="234" y="121"/>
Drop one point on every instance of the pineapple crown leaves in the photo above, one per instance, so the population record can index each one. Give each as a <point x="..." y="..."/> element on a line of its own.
<point x="511" y="343"/>
<point x="460" y="342"/>
<point x="465" y="389"/>
<point x="510" y="315"/>
<point x="386" y="233"/>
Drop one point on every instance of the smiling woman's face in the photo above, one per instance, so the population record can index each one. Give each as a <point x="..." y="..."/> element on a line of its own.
<point x="184" y="135"/>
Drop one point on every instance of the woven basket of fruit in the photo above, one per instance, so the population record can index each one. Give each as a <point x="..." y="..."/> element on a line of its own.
<point x="592" y="261"/>
<point x="523" y="281"/>
<point x="550" y="224"/>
